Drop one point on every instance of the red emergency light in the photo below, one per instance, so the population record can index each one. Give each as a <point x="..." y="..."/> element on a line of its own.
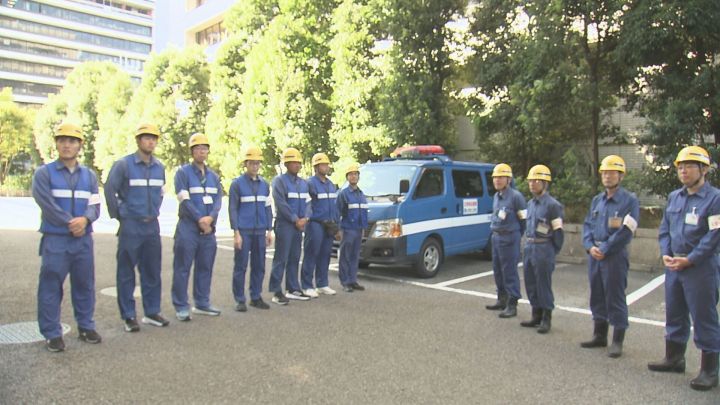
<point x="418" y="150"/>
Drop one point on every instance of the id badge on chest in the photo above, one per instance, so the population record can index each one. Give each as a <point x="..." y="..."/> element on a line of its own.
<point x="691" y="218"/>
<point x="502" y="214"/>
<point x="614" y="222"/>
<point x="207" y="199"/>
<point x="542" y="228"/>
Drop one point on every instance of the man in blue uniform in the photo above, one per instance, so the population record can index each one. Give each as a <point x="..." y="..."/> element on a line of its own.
<point x="251" y="221"/>
<point x="321" y="230"/>
<point x="199" y="194"/>
<point x="543" y="240"/>
<point x="507" y="225"/>
<point x="67" y="194"/>
<point x="134" y="192"/>
<point x="689" y="236"/>
<point x="353" y="208"/>
<point x="290" y="195"/>
<point x="608" y="229"/>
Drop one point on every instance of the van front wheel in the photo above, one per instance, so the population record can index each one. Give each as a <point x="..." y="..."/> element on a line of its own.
<point x="431" y="256"/>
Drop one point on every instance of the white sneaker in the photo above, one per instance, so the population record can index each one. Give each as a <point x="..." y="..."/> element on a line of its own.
<point x="296" y="295"/>
<point x="326" y="291"/>
<point x="310" y="292"/>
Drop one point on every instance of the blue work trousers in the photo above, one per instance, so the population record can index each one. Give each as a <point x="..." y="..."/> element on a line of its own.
<point x="286" y="260"/>
<point x="139" y="245"/>
<point x="349" y="255"/>
<point x="505" y="259"/>
<point x="63" y="255"/>
<point x="538" y="267"/>
<point x="190" y="246"/>
<point x="693" y="292"/>
<point x="253" y="250"/>
<point x="608" y="281"/>
<point x="316" y="256"/>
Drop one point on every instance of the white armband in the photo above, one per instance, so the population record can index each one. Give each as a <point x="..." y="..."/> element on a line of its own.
<point x="183" y="195"/>
<point x="630" y="222"/>
<point x="714" y="222"/>
<point x="522" y="214"/>
<point x="556" y="224"/>
<point x="94" y="199"/>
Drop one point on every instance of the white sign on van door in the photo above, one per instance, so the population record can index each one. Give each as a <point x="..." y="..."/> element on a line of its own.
<point x="470" y="207"/>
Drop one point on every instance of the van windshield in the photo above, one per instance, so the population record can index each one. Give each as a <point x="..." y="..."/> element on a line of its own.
<point x="383" y="181"/>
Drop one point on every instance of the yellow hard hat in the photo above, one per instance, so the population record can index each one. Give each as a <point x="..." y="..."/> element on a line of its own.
<point x="502" y="170"/>
<point x="149" y="129"/>
<point x="320" y="158"/>
<point x="539" y="172"/>
<point x="352" y="167"/>
<point x="252" y="153"/>
<point x="68" y="129"/>
<point x="198" y="139"/>
<point x="693" y="154"/>
<point x="291" y="155"/>
<point x="612" y="162"/>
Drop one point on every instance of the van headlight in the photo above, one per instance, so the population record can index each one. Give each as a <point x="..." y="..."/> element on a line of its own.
<point x="387" y="228"/>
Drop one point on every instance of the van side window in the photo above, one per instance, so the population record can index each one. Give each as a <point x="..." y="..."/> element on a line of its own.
<point x="490" y="185"/>
<point x="431" y="183"/>
<point x="468" y="183"/>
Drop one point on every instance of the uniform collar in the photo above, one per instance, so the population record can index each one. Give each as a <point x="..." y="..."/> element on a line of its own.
<point x="59" y="166"/>
<point x="620" y="191"/>
<point x="543" y="197"/>
<point x="701" y="192"/>
<point x="249" y="178"/>
<point x="138" y="159"/>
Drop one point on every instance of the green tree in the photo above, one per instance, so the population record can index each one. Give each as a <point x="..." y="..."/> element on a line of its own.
<point x="356" y="80"/>
<point x="94" y="97"/>
<point x="280" y="79"/>
<point x="415" y="105"/>
<point x="549" y="74"/>
<point x="15" y="132"/>
<point x="175" y="95"/>
<point x="674" y="47"/>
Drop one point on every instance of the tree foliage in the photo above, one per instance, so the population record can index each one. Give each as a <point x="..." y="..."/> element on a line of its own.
<point x="547" y="72"/>
<point x="415" y="106"/>
<point x="674" y="48"/>
<point x="15" y="132"/>
<point x="94" y="97"/>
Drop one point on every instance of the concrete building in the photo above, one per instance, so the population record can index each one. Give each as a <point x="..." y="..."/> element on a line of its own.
<point x="182" y="23"/>
<point x="42" y="40"/>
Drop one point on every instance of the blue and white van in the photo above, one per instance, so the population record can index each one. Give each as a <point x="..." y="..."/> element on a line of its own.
<point x="424" y="208"/>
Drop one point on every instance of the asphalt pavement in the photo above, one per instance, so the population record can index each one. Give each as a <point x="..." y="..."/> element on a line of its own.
<point x="403" y="340"/>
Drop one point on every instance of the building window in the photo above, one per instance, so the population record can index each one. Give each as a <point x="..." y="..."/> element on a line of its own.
<point x="30" y="89"/>
<point x="34" y="69"/>
<point x="32" y="48"/>
<point x="72" y="35"/>
<point x="210" y="35"/>
<point x="75" y="16"/>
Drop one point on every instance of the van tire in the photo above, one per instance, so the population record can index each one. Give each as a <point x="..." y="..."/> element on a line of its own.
<point x="430" y="258"/>
<point x="363" y="265"/>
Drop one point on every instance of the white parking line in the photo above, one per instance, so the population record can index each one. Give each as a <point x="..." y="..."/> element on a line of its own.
<point x="443" y="286"/>
<point x="646" y="289"/>
<point x="463" y="279"/>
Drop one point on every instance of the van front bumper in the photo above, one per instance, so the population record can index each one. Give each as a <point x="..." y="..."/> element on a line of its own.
<point x="385" y="251"/>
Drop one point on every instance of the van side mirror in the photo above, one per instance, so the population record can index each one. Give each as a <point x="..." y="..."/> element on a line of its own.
<point x="404" y="186"/>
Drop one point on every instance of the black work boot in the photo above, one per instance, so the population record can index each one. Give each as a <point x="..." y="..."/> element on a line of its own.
<point x="545" y="322"/>
<point x="599" y="338"/>
<point x="708" y="376"/>
<point x="615" y="350"/>
<point x="536" y="318"/>
<point x="674" y="360"/>
<point x="510" y="310"/>
<point x="500" y="304"/>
